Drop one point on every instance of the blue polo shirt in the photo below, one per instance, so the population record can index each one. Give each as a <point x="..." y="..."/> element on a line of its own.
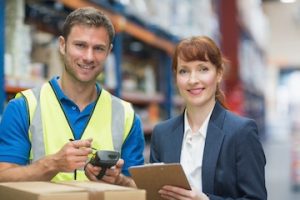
<point x="15" y="145"/>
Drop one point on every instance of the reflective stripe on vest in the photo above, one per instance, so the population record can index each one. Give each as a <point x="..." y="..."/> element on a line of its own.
<point x="36" y="129"/>
<point x="109" y="124"/>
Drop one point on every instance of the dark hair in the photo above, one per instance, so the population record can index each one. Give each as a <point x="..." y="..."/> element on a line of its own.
<point x="90" y="17"/>
<point x="204" y="49"/>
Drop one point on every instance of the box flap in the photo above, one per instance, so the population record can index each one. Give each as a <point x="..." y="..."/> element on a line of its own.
<point x="105" y="191"/>
<point x="99" y="186"/>
<point x="42" y="187"/>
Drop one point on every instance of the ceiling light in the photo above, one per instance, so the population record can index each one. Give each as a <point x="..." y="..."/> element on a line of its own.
<point x="287" y="1"/>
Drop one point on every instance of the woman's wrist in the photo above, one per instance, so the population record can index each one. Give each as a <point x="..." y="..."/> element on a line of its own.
<point x="204" y="197"/>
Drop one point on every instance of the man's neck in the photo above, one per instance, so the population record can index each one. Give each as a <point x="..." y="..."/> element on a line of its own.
<point x="81" y="94"/>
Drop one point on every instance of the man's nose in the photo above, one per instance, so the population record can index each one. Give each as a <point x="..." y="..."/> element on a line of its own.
<point x="89" y="55"/>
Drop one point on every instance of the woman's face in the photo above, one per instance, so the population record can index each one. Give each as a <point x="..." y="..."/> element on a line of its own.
<point x="197" y="82"/>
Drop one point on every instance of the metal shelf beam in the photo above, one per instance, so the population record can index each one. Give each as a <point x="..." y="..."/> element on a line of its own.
<point x="2" y="50"/>
<point x="122" y="25"/>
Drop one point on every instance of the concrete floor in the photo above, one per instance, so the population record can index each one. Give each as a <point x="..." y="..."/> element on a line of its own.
<point x="279" y="179"/>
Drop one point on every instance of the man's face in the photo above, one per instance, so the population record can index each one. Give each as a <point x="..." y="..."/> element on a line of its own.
<point x="85" y="52"/>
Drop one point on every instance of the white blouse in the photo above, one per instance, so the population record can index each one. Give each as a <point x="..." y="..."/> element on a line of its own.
<point x="192" y="152"/>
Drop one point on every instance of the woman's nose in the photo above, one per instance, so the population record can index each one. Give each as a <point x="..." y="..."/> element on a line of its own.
<point x="194" y="77"/>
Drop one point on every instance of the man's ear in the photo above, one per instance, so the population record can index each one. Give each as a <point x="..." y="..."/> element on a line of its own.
<point x="110" y="48"/>
<point x="62" y="45"/>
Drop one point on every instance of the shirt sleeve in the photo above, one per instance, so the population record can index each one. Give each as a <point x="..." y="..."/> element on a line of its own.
<point x="133" y="146"/>
<point x="14" y="140"/>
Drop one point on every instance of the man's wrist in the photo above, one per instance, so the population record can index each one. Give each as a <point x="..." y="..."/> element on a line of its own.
<point x="125" y="181"/>
<point x="48" y="166"/>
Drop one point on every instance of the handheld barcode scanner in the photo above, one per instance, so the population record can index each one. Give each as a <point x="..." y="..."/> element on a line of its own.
<point x="104" y="159"/>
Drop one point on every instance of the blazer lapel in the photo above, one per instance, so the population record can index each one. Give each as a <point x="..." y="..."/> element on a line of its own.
<point x="177" y="136"/>
<point x="213" y="143"/>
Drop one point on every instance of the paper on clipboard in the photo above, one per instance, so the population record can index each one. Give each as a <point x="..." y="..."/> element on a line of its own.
<point x="152" y="177"/>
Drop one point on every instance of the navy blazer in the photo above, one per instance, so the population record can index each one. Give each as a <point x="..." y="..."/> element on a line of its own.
<point x="233" y="165"/>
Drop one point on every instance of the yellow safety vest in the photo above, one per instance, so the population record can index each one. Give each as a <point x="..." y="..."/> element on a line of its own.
<point x="49" y="130"/>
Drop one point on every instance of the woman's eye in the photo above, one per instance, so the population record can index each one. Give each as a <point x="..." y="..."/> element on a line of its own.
<point x="182" y="71"/>
<point x="204" y="69"/>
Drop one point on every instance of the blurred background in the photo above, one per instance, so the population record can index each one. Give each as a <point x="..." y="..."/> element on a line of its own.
<point x="261" y="38"/>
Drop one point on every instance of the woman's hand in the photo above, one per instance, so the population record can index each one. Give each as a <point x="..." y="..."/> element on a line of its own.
<point x="177" y="193"/>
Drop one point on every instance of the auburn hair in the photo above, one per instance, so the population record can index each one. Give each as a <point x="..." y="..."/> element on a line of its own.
<point x="201" y="48"/>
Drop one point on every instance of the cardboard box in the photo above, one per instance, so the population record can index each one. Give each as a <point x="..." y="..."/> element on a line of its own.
<point x="73" y="190"/>
<point x="104" y="191"/>
<point x="69" y="190"/>
<point x="41" y="191"/>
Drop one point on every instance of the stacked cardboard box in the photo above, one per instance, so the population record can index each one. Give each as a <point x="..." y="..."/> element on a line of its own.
<point x="68" y="191"/>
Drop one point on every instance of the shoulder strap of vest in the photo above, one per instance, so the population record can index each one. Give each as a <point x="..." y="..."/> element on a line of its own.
<point x="36" y="127"/>
<point x="32" y="98"/>
<point x="117" y="125"/>
<point x="122" y="120"/>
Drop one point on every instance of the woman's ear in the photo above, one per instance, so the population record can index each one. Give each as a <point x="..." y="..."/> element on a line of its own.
<point x="220" y="75"/>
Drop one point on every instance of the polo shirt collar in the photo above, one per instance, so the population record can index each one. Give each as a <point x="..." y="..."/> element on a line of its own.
<point x="60" y="94"/>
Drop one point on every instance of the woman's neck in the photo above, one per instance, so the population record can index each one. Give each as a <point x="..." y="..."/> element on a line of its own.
<point x="196" y="115"/>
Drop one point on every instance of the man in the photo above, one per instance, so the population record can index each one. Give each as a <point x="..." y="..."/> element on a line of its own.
<point x="49" y="132"/>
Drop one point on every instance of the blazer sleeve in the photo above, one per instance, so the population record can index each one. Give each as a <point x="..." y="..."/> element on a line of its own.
<point x="251" y="163"/>
<point x="249" y="166"/>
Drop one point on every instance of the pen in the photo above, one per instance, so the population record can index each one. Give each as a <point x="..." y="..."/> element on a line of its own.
<point x="75" y="171"/>
<point x="74" y="140"/>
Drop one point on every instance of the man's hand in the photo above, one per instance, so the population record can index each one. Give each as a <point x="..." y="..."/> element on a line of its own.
<point x="73" y="155"/>
<point x="112" y="175"/>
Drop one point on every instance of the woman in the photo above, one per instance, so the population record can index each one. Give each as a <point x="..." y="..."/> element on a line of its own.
<point x="220" y="152"/>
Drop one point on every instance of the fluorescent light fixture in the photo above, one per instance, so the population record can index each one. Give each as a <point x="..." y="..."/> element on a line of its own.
<point x="125" y="2"/>
<point x="287" y="1"/>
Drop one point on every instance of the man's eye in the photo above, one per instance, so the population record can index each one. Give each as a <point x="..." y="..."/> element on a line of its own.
<point x="101" y="49"/>
<point x="79" y="45"/>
